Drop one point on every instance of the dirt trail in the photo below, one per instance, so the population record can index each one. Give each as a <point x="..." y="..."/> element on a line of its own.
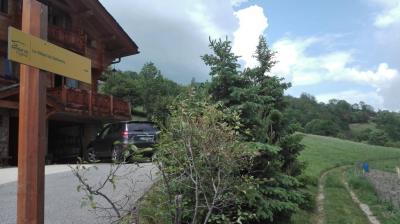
<point x="364" y="208"/>
<point x="320" y="217"/>
<point x="320" y="213"/>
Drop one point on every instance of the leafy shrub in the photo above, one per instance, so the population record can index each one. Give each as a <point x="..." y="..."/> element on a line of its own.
<point x="232" y="158"/>
<point x="322" y="127"/>
<point x="209" y="175"/>
<point x="378" y="137"/>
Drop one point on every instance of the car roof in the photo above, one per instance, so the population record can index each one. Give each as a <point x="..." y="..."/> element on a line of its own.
<point x="133" y="122"/>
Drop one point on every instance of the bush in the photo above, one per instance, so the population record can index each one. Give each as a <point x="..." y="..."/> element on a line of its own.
<point x="210" y="175"/>
<point x="199" y="157"/>
<point x="378" y="137"/>
<point x="322" y="127"/>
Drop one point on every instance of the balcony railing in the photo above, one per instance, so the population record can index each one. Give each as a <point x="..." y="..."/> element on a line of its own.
<point x="73" y="41"/>
<point x="89" y="103"/>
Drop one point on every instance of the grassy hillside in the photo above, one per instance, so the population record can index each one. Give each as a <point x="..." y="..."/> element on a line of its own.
<point x="357" y="128"/>
<point x="322" y="153"/>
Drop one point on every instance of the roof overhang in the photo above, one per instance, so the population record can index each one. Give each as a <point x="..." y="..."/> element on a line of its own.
<point x="118" y="42"/>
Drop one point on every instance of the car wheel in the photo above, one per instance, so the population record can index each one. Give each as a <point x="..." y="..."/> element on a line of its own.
<point x="91" y="155"/>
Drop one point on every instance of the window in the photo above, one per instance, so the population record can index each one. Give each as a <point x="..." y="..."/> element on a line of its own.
<point x="116" y="128"/>
<point x="71" y="83"/>
<point x="59" y="18"/>
<point x="4" y="6"/>
<point x="90" y="42"/>
<point x="6" y="68"/>
<point x="141" y="127"/>
<point x="58" y="81"/>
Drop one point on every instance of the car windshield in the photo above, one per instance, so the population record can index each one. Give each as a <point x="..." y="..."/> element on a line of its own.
<point x="141" y="127"/>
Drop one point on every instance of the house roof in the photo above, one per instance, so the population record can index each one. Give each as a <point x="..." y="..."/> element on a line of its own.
<point x="129" y="47"/>
<point x="94" y="15"/>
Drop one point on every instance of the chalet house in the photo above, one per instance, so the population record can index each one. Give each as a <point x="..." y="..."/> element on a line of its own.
<point x="75" y="110"/>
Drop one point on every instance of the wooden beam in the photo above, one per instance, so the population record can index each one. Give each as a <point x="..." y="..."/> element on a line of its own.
<point x="8" y="93"/>
<point x="57" y="4"/>
<point x="32" y="133"/>
<point x="6" y="81"/>
<point x="84" y="14"/>
<point x="9" y="104"/>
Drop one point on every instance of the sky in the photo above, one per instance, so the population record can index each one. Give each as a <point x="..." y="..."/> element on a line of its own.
<point x="331" y="49"/>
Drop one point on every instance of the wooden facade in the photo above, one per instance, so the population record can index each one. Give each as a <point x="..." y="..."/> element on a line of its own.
<point x="86" y="28"/>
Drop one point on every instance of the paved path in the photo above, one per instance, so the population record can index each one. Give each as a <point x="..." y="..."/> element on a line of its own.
<point x="62" y="201"/>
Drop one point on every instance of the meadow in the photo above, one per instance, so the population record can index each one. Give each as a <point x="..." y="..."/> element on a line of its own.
<point x="325" y="153"/>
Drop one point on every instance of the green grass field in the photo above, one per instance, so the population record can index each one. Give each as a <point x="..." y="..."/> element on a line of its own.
<point x="339" y="207"/>
<point x="388" y="165"/>
<point x="323" y="153"/>
<point x="357" y="128"/>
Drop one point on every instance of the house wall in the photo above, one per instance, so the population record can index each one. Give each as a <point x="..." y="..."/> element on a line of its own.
<point x="63" y="141"/>
<point x="69" y="140"/>
<point x="4" y="133"/>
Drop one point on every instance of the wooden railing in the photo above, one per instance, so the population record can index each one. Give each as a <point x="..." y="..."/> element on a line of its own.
<point x="101" y="104"/>
<point x="73" y="41"/>
<point x="86" y="102"/>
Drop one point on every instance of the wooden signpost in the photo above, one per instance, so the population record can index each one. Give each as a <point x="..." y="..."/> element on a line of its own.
<point x="29" y="49"/>
<point x="32" y="111"/>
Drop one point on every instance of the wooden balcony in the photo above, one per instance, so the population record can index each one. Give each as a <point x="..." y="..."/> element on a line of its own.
<point x="67" y="39"/>
<point x="82" y="102"/>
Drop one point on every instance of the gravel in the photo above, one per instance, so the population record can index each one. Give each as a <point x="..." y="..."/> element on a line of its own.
<point x="63" y="202"/>
<point x="387" y="186"/>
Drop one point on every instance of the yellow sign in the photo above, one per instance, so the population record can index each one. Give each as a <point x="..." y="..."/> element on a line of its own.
<point x="35" y="52"/>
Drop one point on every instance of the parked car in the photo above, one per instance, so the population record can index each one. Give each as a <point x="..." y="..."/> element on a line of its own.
<point x="139" y="133"/>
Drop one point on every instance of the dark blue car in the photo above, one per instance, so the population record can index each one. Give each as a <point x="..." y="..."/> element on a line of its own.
<point x="139" y="133"/>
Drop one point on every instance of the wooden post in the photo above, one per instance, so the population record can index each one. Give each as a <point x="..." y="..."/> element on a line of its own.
<point x="90" y="103"/>
<point x="112" y="105"/>
<point x="32" y="115"/>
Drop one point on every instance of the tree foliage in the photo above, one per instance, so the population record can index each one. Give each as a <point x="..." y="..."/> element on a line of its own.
<point x="251" y="92"/>
<point x="232" y="158"/>
<point x="322" y="127"/>
<point x="390" y="123"/>
<point x="147" y="89"/>
<point x="330" y="118"/>
<point x="199" y="158"/>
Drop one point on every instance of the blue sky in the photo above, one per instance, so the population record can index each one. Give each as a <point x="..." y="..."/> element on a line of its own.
<point x="332" y="49"/>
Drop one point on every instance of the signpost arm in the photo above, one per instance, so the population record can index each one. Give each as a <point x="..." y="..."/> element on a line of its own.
<point x="32" y="135"/>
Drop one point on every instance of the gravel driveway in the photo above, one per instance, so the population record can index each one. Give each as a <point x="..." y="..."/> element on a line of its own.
<point x="63" y="202"/>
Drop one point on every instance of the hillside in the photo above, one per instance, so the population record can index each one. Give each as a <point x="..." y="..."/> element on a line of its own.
<point x="339" y="118"/>
<point x="357" y="128"/>
<point x="324" y="153"/>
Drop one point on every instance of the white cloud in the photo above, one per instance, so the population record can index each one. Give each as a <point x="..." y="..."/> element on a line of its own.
<point x="252" y="24"/>
<point x="173" y="34"/>
<point x="353" y="96"/>
<point x="389" y="15"/>
<point x="391" y="95"/>
<point x="237" y="3"/>
<point x="296" y="65"/>
<point x="303" y="69"/>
